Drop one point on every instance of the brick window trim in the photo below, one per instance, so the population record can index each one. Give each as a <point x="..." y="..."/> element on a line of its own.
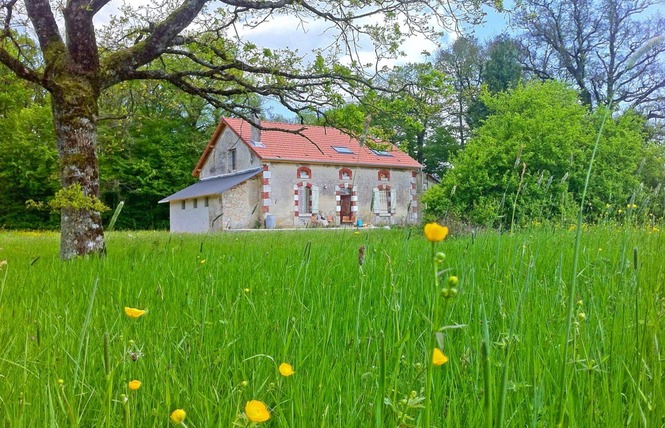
<point x="346" y="171"/>
<point x="383" y="175"/>
<point x="304" y="169"/>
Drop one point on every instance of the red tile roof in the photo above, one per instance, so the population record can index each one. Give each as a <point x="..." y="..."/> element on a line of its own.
<point x="283" y="146"/>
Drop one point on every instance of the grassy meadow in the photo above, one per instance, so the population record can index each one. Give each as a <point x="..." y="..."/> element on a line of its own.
<point x="225" y="310"/>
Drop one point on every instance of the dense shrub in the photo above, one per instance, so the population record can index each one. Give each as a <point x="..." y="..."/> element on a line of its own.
<point x="528" y="162"/>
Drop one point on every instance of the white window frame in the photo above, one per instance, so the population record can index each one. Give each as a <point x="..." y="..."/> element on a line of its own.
<point x="308" y="200"/>
<point x="389" y="207"/>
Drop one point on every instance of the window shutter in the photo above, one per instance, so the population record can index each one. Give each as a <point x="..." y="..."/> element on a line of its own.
<point x="376" y="202"/>
<point x="393" y="201"/>
<point x="315" y="199"/>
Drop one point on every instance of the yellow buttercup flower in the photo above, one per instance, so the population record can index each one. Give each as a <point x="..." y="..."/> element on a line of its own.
<point x="134" y="313"/>
<point x="434" y="232"/>
<point x="286" y="369"/>
<point x="178" y="416"/>
<point x="134" y="384"/>
<point x="256" y="411"/>
<point x="438" y="358"/>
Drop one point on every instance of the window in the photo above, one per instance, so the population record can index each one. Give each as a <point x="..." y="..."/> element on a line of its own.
<point x="304" y="172"/>
<point x="195" y="203"/>
<point x="308" y="199"/>
<point x="206" y="201"/>
<point x="257" y="144"/>
<point x="342" y="149"/>
<point x="183" y="205"/>
<point x="384" y="201"/>
<point x="232" y="160"/>
<point x="345" y="174"/>
<point x="380" y="152"/>
<point x="305" y="203"/>
<point x="384" y="175"/>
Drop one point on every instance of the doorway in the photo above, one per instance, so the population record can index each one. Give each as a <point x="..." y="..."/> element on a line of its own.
<point x="345" y="209"/>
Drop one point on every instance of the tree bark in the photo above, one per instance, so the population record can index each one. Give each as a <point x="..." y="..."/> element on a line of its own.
<point x="75" y="118"/>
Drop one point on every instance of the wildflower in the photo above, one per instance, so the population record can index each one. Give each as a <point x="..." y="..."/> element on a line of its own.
<point x="434" y="232"/>
<point x="244" y="384"/>
<point x="581" y="316"/>
<point x="286" y="369"/>
<point x="134" y="384"/>
<point x="256" y="411"/>
<point x="178" y="416"/>
<point x="438" y="358"/>
<point x="202" y="261"/>
<point x="356" y="233"/>
<point x="246" y="290"/>
<point x="3" y="263"/>
<point x="134" y="313"/>
<point x="620" y="211"/>
<point x="453" y="281"/>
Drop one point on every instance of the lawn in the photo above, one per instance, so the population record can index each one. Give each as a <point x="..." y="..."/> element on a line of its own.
<point x="225" y="310"/>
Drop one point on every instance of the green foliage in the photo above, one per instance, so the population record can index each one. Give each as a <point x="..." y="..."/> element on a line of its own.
<point x="151" y="153"/>
<point x="71" y="197"/>
<point x="501" y="70"/>
<point x="28" y="156"/>
<point x="530" y="157"/>
<point x="146" y="155"/>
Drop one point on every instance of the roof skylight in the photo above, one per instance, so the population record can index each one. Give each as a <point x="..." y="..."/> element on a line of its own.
<point x="257" y="143"/>
<point x="342" y="149"/>
<point x="381" y="152"/>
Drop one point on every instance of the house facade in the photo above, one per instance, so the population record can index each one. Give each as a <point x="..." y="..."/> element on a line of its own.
<point x="290" y="175"/>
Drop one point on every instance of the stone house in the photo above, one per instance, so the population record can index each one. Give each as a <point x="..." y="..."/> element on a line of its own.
<point x="290" y="175"/>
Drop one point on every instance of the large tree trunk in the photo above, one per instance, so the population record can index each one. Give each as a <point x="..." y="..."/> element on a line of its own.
<point x="75" y="119"/>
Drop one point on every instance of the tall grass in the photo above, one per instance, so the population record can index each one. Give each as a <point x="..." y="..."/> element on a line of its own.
<point x="225" y="310"/>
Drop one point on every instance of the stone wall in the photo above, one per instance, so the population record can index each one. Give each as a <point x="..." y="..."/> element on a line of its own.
<point x="330" y="183"/>
<point x="239" y="207"/>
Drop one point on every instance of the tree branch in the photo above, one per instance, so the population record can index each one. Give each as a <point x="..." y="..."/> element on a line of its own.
<point x="118" y="65"/>
<point x="20" y="69"/>
<point x="46" y="27"/>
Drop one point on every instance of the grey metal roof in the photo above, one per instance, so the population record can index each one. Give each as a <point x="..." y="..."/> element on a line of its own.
<point x="212" y="186"/>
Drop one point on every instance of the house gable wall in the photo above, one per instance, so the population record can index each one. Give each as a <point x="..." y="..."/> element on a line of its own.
<point x="219" y="159"/>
